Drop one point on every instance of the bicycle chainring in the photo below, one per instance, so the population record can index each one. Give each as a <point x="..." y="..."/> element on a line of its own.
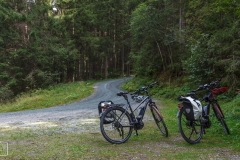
<point x="208" y="124"/>
<point x="139" y="125"/>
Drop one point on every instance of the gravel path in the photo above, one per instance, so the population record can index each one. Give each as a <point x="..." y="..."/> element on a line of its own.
<point x="69" y="116"/>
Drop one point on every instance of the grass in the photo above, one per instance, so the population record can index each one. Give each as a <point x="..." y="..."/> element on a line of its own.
<point x="53" y="143"/>
<point x="56" y="143"/>
<point x="52" y="96"/>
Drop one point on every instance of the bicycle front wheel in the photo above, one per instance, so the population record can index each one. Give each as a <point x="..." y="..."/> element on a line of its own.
<point x="115" y="125"/>
<point x="191" y="131"/>
<point x="220" y="118"/>
<point x="158" y="118"/>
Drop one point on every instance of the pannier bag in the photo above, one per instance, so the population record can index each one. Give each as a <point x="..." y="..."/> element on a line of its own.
<point x="102" y="106"/>
<point x="193" y="108"/>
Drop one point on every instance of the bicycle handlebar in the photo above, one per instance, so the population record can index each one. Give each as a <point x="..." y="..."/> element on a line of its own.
<point x="137" y="92"/>
<point x="148" y="86"/>
<point x="208" y="86"/>
<point x="143" y="89"/>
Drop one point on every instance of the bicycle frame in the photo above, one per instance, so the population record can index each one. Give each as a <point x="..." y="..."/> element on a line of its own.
<point x="212" y="102"/>
<point x="146" y="100"/>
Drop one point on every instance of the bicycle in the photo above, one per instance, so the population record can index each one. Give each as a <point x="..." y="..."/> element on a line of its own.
<point x="192" y="124"/>
<point x="117" y="123"/>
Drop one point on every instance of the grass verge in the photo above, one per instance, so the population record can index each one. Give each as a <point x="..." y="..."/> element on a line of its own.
<point x="52" y="96"/>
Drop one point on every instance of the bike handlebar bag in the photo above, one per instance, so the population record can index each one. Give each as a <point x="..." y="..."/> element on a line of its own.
<point x="220" y="90"/>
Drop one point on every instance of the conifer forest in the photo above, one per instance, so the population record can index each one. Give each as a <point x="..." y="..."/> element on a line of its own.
<point x="45" y="42"/>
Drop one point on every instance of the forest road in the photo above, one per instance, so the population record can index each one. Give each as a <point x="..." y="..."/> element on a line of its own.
<point x="68" y="116"/>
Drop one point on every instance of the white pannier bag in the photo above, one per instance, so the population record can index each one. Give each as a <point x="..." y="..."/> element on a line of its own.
<point x="193" y="109"/>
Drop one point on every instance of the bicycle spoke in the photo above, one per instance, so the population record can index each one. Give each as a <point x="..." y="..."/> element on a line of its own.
<point x="191" y="131"/>
<point x="119" y="130"/>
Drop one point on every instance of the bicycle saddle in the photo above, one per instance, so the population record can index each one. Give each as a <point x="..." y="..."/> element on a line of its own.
<point x="122" y="93"/>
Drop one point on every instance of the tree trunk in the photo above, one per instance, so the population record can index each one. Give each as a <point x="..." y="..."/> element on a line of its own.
<point x="106" y="67"/>
<point x="122" y="61"/>
<point x="160" y="52"/>
<point x="76" y="70"/>
<point x="81" y="76"/>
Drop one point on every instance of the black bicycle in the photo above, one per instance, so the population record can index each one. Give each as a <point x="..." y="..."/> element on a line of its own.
<point x="193" y="119"/>
<point x="117" y="123"/>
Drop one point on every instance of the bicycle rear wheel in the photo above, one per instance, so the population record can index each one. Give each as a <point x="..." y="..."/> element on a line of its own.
<point x="158" y="118"/>
<point x="220" y="118"/>
<point x="191" y="131"/>
<point x="118" y="128"/>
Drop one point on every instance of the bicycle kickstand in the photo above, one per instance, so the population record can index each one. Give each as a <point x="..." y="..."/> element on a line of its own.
<point x="136" y="133"/>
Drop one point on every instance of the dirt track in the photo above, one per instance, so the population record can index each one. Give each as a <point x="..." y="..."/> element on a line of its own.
<point x="69" y="116"/>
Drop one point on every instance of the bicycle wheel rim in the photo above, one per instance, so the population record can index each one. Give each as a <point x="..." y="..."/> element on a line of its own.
<point x="191" y="131"/>
<point x="119" y="130"/>
<point x="159" y="121"/>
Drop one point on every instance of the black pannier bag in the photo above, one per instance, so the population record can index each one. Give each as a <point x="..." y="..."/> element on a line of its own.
<point x="188" y="110"/>
<point x="102" y="106"/>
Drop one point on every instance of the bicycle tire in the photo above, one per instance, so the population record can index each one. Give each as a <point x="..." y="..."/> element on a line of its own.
<point x="120" y="130"/>
<point x="191" y="131"/>
<point x="158" y="118"/>
<point x="220" y="118"/>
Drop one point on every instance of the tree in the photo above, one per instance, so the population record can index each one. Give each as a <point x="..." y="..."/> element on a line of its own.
<point x="153" y="28"/>
<point x="214" y="41"/>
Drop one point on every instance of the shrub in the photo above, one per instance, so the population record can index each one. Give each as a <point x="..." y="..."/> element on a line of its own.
<point x="5" y="94"/>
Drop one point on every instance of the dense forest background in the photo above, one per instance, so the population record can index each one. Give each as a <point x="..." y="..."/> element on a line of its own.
<point x="44" y="42"/>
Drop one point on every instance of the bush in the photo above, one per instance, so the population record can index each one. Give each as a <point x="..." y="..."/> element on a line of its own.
<point x="5" y="94"/>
